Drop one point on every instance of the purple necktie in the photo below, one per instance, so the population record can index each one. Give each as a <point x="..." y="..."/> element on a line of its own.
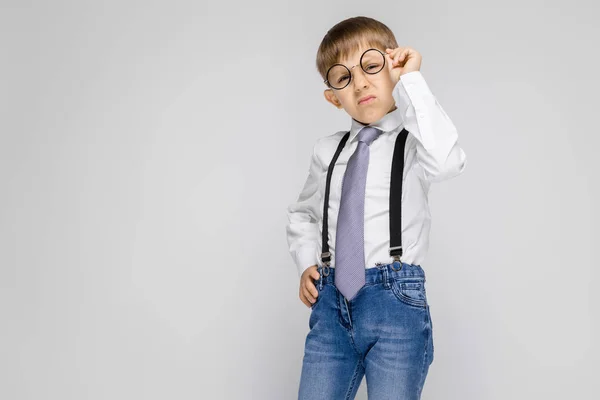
<point x="350" y="231"/>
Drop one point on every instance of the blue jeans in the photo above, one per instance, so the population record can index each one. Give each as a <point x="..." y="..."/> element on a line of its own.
<point x="384" y="332"/>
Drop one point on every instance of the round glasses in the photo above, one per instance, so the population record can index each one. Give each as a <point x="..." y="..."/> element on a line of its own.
<point x="339" y="76"/>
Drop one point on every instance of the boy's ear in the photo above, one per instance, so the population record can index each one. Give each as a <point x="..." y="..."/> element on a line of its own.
<point x="331" y="98"/>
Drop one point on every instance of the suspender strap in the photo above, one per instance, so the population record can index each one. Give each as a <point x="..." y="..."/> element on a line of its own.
<point x="326" y="255"/>
<point x="396" y="196"/>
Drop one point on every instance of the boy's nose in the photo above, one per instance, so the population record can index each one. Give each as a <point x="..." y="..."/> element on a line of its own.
<point x="360" y="78"/>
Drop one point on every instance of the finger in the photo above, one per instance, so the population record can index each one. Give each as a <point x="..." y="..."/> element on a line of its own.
<point x="390" y="60"/>
<point x="402" y="57"/>
<point x="404" y="54"/>
<point x="315" y="275"/>
<point x="396" y="54"/>
<point x="312" y="289"/>
<point x="391" y="57"/>
<point x="303" y="297"/>
<point x="308" y="295"/>
<point x="397" y="49"/>
<point x="390" y="63"/>
<point x="304" y="301"/>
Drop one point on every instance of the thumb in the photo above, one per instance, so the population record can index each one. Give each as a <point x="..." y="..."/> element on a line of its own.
<point x="315" y="274"/>
<point x="390" y="62"/>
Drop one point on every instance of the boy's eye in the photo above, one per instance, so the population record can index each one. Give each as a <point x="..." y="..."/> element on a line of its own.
<point x="342" y="78"/>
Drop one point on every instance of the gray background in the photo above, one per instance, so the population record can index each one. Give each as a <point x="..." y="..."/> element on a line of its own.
<point x="149" y="150"/>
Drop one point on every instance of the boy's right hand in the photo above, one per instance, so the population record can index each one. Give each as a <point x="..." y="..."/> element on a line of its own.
<point x="308" y="290"/>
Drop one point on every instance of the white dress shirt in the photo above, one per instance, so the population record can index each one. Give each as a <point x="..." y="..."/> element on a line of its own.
<point x="432" y="154"/>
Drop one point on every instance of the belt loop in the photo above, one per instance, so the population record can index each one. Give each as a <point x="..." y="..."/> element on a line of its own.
<point x="320" y="284"/>
<point x="384" y="269"/>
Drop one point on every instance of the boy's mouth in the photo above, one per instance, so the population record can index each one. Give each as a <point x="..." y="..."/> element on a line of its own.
<point x="366" y="99"/>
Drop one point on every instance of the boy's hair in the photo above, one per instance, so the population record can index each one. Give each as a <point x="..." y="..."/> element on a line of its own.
<point x="346" y="36"/>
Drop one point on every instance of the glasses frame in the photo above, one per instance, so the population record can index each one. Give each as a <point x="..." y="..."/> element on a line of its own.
<point x="326" y="81"/>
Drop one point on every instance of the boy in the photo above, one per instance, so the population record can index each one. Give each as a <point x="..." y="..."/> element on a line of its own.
<point x="366" y="197"/>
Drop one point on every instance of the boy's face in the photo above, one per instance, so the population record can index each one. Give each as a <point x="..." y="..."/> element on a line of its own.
<point x="379" y="85"/>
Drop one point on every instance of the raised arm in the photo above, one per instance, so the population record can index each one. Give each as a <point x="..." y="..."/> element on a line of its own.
<point x="438" y="150"/>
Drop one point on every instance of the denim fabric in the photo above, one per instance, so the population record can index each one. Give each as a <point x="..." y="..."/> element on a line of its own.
<point x="384" y="333"/>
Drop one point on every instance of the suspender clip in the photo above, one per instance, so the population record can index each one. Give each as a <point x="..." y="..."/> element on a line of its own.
<point x="326" y="260"/>
<point x="396" y="253"/>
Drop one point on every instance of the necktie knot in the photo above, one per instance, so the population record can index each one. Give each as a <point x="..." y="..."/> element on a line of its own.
<point x="368" y="134"/>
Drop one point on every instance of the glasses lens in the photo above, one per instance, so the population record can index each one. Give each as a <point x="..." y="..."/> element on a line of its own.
<point x="372" y="61"/>
<point x="338" y="76"/>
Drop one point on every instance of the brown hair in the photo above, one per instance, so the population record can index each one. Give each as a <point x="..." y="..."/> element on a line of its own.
<point x="347" y="36"/>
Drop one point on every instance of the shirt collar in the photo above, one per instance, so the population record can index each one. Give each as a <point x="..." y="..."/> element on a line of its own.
<point x="387" y="123"/>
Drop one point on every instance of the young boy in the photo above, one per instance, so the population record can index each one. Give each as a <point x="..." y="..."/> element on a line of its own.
<point x="359" y="230"/>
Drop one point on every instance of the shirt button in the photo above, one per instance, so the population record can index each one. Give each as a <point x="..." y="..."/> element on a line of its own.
<point x="421" y="115"/>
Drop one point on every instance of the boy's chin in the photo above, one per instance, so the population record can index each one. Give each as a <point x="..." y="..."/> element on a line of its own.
<point x="370" y="117"/>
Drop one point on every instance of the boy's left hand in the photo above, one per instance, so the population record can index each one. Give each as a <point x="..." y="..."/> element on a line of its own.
<point x="402" y="60"/>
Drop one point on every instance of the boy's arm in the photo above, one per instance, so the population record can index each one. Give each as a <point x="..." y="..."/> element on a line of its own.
<point x="304" y="216"/>
<point x="438" y="151"/>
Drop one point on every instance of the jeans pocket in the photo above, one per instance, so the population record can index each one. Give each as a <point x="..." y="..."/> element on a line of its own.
<point x="411" y="292"/>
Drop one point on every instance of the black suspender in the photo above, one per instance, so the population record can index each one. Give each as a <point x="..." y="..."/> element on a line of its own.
<point x="326" y="255"/>
<point x="396" y="196"/>
<point x="395" y="199"/>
